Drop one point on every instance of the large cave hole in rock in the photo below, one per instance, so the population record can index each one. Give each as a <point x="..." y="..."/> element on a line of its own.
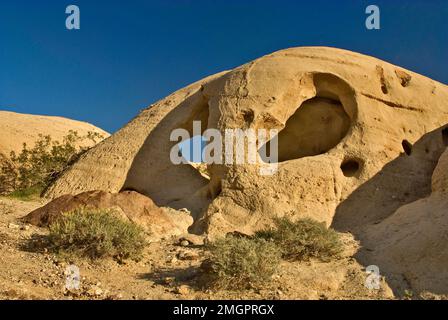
<point x="317" y="126"/>
<point x="320" y="123"/>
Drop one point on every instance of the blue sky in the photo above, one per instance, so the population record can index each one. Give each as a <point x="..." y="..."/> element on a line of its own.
<point x="128" y="54"/>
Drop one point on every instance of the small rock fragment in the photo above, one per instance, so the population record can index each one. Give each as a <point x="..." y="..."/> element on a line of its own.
<point x="192" y="239"/>
<point x="169" y="280"/>
<point x="184" y="243"/>
<point x="182" y="290"/>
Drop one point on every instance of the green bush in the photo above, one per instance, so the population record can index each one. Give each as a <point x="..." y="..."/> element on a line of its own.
<point x="26" y="194"/>
<point x="303" y="239"/>
<point x="7" y="176"/>
<point x="96" y="234"/>
<point x="241" y="263"/>
<point x="33" y="169"/>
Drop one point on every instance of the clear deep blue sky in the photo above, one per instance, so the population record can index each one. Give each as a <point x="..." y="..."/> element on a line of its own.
<point x="128" y="54"/>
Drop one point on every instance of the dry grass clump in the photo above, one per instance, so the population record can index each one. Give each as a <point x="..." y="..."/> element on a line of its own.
<point x="250" y="262"/>
<point x="96" y="234"/>
<point x="241" y="263"/>
<point x="303" y="239"/>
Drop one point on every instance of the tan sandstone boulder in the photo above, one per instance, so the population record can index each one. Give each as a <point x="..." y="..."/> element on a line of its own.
<point x="357" y="141"/>
<point x="158" y="222"/>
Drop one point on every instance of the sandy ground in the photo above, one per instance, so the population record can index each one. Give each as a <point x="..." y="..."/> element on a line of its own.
<point x="167" y="271"/>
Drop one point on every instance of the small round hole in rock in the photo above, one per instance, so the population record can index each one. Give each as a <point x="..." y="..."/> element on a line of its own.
<point x="407" y="147"/>
<point x="445" y="136"/>
<point x="350" y="168"/>
<point x="248" y="116"/>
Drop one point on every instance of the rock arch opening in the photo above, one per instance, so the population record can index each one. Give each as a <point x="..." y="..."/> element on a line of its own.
<point x="192" y="150"/>
<point x="153" y="172"/>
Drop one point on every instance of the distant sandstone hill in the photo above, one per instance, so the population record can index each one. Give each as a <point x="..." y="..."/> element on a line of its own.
<point x="17" y="128"/>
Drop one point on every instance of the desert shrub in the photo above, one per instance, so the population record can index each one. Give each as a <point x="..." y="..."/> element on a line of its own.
<point x="33" y="169"/>
<point x="26" y="194"/>
<point x="96" y="234"/>
<point x="303" y="239"/>
<point x="241" y="263"/>
<point x="7" y="176"/>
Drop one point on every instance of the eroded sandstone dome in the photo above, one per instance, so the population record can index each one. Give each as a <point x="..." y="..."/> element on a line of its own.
<point x="359" y="138"/>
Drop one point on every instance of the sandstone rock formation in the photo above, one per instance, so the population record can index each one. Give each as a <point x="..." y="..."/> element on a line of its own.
<point x="411" y="245"/>
<point x="158" y="222"/>
<point x="348" y="124"/>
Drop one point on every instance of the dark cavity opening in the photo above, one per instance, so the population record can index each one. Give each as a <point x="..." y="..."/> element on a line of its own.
<point x="316" y="127"/>
<point x="445" y="136"/>
<point x="407" y="147"/>
<point x="350" y="168"/>
<point x="319" y="124"/>
<point x="248" y="116"/>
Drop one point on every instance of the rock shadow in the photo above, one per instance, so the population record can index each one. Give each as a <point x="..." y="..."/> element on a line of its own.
<point x="402" y="181"/>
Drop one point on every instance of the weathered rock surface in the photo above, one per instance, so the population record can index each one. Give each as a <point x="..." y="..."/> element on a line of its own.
<point x="158" y="222"/>
<point x="348" y="125"/>
<point x="411" y="246"/>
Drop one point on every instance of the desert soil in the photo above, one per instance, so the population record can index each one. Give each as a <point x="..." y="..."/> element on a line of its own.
<point x="168" y="270"/>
